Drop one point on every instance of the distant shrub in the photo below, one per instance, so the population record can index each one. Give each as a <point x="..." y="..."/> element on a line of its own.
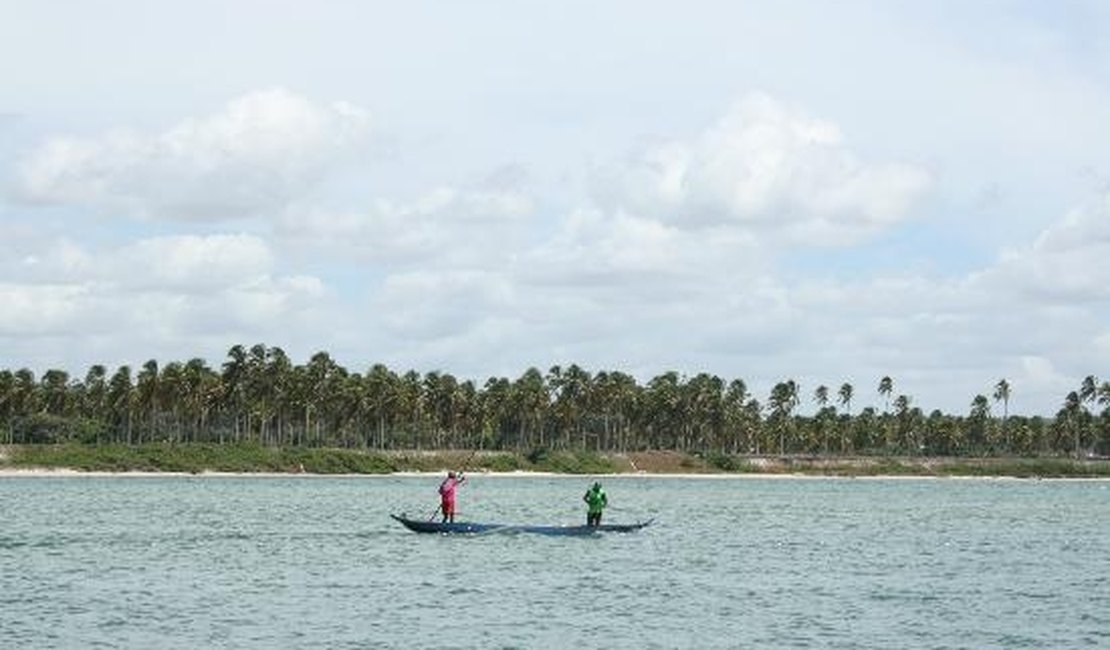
<point x="576" y="463"/>
<point x="727" y="462"/>
<point x="505" y="462"/>
<point x="334" y="461"/>
<point x="537" y="455"/>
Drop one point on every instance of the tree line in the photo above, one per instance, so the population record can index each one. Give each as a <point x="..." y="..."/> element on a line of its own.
<point x="259" y="395"/>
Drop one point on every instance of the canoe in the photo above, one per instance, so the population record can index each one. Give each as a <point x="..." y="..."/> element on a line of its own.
<point x="479" y="528"/>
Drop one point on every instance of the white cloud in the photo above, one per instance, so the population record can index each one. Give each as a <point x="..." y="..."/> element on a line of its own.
<point x="436" y="304"/>
<point x="446" y="226"/>
<point x="156" y="289"/>
<point x="595" y="251"/>
<point x="187" y="263"/>
<point x="1068" y="263"/>
<point x="263" y="150"/>
<point x="1041" y="375"/>
<point x="190" y="262"/>
<point x="40" y="309"/>
<point x="768" y="168"/>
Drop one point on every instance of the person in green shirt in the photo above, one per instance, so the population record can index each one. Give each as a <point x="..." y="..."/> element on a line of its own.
<point x="596" y="500"/>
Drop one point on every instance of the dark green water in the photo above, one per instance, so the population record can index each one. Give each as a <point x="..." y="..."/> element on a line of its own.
<point x="312" y="562"/>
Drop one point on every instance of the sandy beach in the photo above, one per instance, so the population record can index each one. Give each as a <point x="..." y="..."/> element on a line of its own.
<point x="78" y="474"/>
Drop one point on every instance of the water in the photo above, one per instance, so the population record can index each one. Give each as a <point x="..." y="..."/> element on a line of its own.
<point x="315" y="562"/>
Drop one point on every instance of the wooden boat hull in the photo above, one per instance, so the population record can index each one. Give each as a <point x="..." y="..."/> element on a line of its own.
<point x="467" y="527"/>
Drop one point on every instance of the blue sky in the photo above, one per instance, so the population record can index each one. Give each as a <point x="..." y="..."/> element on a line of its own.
<point x="824" y="192"/>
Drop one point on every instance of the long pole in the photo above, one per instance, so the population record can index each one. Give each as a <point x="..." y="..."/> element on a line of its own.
<point x="468" y="459"/>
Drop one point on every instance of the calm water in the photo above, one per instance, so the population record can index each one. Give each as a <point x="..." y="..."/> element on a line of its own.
<point x="313" y="562"/>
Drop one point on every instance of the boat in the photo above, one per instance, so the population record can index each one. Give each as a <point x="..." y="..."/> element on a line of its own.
<point x="468" y="527"/>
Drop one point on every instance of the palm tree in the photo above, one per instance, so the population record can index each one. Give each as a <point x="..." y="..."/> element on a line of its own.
<point x="980" y="413"/>
<point x="784" y="398"/>
<point x="171" y="396"/>
<point x="94" y="396"/>
<point x="821" y="396"/>
<point x="380" y="386"/>
<point x="573" y="388"/>
<point x="905" y="425"/>
<point x="663" y="404"/>
<point x="258" y="391"/>
<point x="497" y="397"/>
<point x="442" y="390"/>
<point x="121" y="404"/>
<point x="613" y="399"/>
<point x="603" y="398"/>
<point x="1069" y="416"/>
<point x="320" y="376"/>
<point x="7" y="403"/>
<point x="1002" y="394"/>
<point x="753" y="421"/>
<point x="735" y="417"/>
<point x="1088" y="391"/>
<point x="845" y="397"/>
<point x="704" y="399"/>
<point x="147" y="386"/>
<point x="279" y="370"/>
<point x="201" y="389"/>
<point x="54" y="390"/>
<point x="411" y="406"/>
<point x="627" y="397"/>
<point x="1088" y="394"/>
<point x="1104" y="417"/>
<point x="1104" y="394"/>
<point x="531" y="400"/>
<point x="234" y="382"/>
<point x="886" y="386"/>
<point x="471" y="416"/>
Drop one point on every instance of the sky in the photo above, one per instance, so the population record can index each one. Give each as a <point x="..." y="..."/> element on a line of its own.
<point x="823" y="192"/>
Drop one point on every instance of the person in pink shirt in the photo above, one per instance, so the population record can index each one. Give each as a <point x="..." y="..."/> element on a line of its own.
<point x="447" y="495"/>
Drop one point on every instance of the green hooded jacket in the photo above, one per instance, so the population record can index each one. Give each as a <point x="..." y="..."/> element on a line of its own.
<point x="595" y="498"/>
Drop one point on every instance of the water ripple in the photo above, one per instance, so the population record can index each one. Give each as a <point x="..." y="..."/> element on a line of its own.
<point x="261" y="563"/>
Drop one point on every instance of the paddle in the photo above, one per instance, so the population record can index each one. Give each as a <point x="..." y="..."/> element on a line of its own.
<point x="466" y="462"/>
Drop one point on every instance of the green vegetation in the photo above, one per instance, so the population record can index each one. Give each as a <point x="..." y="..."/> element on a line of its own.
<point x="252" y="458"/>
<point x="728" y="463"/>
<point x="575" y="463"/>
<point x="195" y="458"/>
<point x="1028" y="468"/>
<point x="566" y="419"/>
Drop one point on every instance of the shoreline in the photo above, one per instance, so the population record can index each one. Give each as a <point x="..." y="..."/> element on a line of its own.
<point x="47" y="472"/>
<point x="258" y="461"/>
